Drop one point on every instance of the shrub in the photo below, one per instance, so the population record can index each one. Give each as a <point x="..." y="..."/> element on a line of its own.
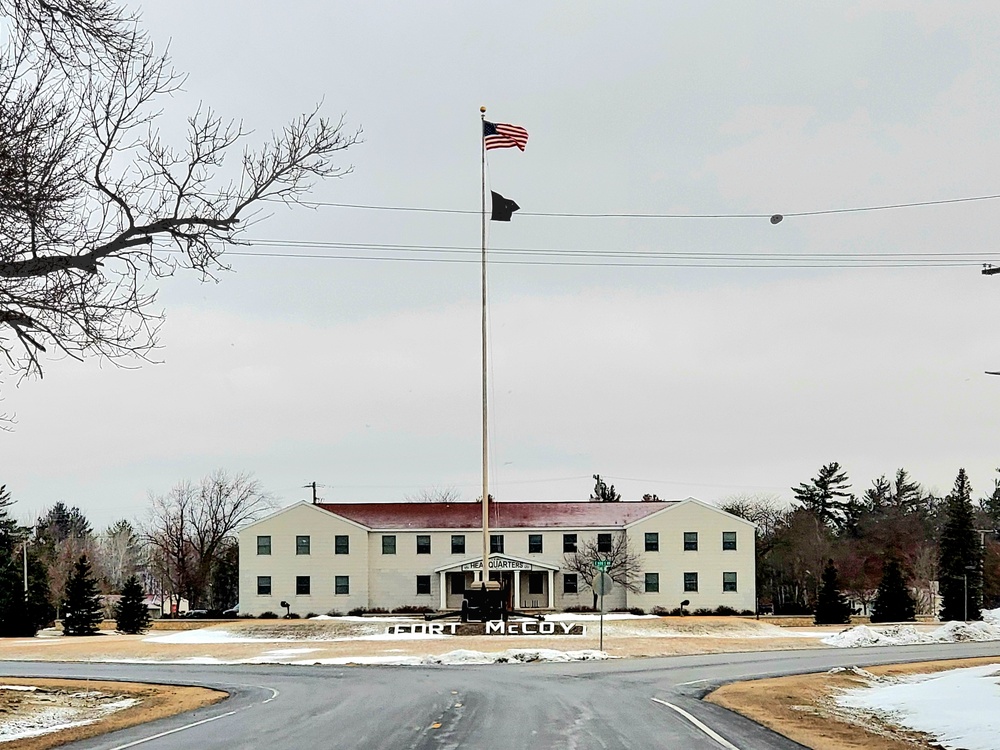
<point x="292" y="616"/>
<point x="725" y="611"/>
<point x="356" y="612"/>
<point x="334" y="613"/>
<point x="703" y="612"/>
<point x="579" y="608"/>
<point x="660" y="611"/>
<point x="269" y="615"/>
<point x="630" y="610"/>
<point x="412" y="609"/>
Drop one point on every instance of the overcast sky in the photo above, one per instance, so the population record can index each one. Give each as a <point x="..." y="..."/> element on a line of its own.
<point x="666" y="377"/>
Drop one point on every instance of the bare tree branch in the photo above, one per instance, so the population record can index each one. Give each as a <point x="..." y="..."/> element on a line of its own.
<point x="95" y="205"/>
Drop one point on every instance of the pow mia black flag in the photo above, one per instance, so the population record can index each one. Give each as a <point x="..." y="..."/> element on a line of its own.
<point x="503" y="208"/>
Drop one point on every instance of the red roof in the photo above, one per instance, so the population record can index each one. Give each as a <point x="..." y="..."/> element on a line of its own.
<point x="502" y="515"/>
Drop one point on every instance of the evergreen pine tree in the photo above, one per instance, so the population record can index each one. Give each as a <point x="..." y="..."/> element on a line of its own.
<point x="893" y="600"/>
<point x="960" y="561"/>
<point x="991" y="504"/>
<point x="827" y="495"/>
<point x="131" y="615"/>
<point x="831" y="605"/>
<point x="19" y="618"/>
<point x="84" y="613"/>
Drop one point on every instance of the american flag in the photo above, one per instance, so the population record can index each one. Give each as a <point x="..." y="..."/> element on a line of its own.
<point x="501" y="135"/>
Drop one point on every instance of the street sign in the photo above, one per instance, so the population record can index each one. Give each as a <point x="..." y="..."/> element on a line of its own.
<point x="602" y="565"/>
<point x="603" y="584"/>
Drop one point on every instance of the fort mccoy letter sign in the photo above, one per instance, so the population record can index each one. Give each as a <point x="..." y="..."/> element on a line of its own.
<point x="497" y="627"/>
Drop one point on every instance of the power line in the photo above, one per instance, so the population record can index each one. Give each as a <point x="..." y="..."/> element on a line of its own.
<point x="639" y="215"/>
<point x="468" y="249"/>
<point x="680" y="263"/>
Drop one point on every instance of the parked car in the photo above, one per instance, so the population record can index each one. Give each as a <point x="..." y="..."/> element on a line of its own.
<point x="233" y="611"/>
<point x="195" y="613"/>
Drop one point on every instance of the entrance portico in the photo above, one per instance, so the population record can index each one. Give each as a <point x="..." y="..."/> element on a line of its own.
<point x="503" y="568"/>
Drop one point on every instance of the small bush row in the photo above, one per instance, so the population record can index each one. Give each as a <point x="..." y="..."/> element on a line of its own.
<point x="720" y="611"/>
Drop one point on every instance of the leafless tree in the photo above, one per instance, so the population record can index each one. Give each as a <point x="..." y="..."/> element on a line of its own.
<point x="766" y="510"/>
<point x="95" y="205"/>
<point x="624" y="563"/>
<point x="117" y="555"/>
<point x="188" y="529"/>
<point x="436" y="495"/>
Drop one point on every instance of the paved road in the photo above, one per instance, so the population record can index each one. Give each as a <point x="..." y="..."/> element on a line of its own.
<point x="599" y="705"/>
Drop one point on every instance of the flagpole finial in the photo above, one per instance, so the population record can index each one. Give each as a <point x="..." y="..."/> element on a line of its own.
<point x="483" y="110"/>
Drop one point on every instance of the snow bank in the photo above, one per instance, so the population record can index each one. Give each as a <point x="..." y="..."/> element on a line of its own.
<point x="960" y="708"/>
<point x="907" y="635"/>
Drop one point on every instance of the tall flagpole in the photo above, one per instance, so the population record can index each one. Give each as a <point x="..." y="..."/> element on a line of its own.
<point x="486" y="492"/>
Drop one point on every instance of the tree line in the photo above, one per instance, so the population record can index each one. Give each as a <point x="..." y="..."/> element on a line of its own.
<point x="185" y="547"/>
<point x="893" y="540"/>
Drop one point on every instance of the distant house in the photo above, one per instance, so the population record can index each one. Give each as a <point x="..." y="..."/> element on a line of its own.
<point x="153" y="604"/>
<point x="341" y="556"/>
<point x="159" y="606"/>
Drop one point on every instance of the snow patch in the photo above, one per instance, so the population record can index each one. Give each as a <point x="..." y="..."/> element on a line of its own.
<point x="905" y="635"/>
<point x="465" y="656"/>
<point x="595" y="616"/>
<point x="960" y="708"/>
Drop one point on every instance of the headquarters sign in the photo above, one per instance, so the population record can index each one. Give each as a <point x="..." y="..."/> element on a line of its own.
<point x="499" y="563"/>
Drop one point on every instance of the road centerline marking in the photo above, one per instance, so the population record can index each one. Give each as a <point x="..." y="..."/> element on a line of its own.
<point x="699" y="724"/>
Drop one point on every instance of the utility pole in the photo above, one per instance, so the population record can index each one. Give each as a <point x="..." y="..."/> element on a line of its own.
<point x="313" y="485"/>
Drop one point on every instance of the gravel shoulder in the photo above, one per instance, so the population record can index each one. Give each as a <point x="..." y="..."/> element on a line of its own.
<point x="802" y="707"/>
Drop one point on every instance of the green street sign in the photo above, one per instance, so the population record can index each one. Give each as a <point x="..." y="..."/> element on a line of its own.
<point x="602" y="564"/>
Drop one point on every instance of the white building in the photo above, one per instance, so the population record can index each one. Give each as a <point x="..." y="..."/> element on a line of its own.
<point x="328" y="557"/>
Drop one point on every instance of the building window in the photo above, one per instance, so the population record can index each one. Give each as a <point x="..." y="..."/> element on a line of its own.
<point x="301" y="545"/>
<point x="423" y="544"/>
<point x="341" y="545"/>
<point x="423" y="584"/>
<point x="690" y="541"/>
<point x="341" y="584"/>
<point x="302" y="585"/>
<point x="458" y="583"/>
<point x="536" y="583"/>
<point x="263" y="585"/>
<point x="652" y="541"/>
<point x="569" y="583"/>
<point x="604" y="542"/>
<point x="388" y="544"/>
<point x="569" y="544"/>
<point x="458" y="544"/>
<point x="652" y="583"/>
<point x="729" y="582"/>
<point x="534" y="543"/>
<point x="728" y="540"/>
<point x="496" y="543"/>
<point x="263" y="545"/>
<point x="690" y="582"/>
